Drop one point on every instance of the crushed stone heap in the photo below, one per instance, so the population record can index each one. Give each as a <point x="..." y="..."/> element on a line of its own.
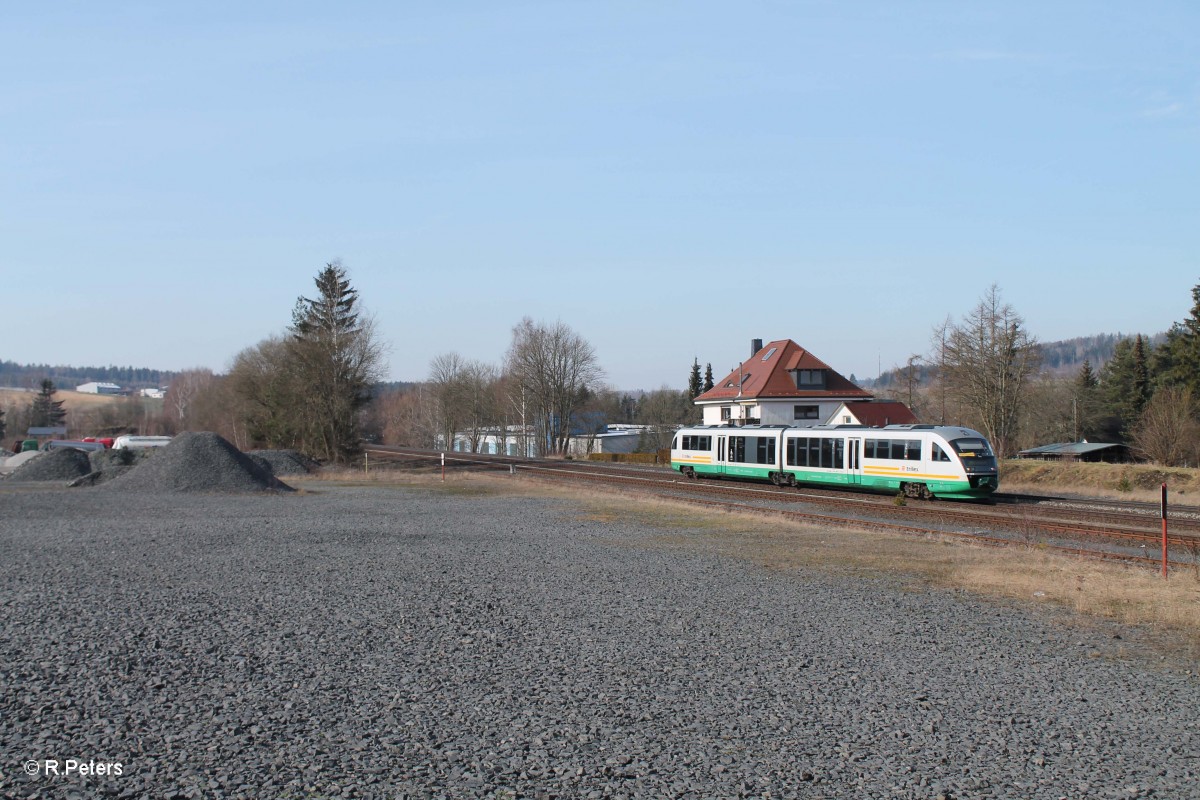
<point x="65" y="464"/>
<point x="199" y="462"/>
<point x="284" y="462"/>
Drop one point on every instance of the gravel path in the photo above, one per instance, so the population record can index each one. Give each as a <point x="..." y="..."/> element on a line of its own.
<point x="376" y="642"/>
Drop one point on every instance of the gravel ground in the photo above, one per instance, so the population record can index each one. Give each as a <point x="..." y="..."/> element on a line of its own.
<point x="376" y="642"/>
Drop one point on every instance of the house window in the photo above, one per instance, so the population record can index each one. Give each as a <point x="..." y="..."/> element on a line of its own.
<point x="725" y="412"/>
<point x="806" y="412"/>
<point x="809" y="378"/>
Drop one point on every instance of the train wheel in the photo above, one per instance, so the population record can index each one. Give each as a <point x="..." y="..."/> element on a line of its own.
<point x="689" y="473"/>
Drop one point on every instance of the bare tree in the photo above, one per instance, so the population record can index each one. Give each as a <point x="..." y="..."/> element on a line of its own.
<point x="183" y="391"/>
<point x="407" y="417"/>
<point x="988" y="362"/>
<point x="556" y="369"/>
<point x="664" y="410"/>
<point x="1168" y="432"/>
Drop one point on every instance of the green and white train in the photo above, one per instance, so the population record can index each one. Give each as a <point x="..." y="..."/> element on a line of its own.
<point x="922" y="461"/>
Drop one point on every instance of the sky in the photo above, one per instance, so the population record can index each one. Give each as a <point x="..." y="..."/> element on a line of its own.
<point x="669" y="179"/>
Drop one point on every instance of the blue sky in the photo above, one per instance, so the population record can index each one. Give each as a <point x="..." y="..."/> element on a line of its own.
<point x="669" y="179"/>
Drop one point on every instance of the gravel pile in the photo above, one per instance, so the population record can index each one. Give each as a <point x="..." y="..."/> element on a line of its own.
<point x="284" y="462"/>
<point x="324" y="645"/>
<point x="62" y="465"/>
<point x="198" y="462"/>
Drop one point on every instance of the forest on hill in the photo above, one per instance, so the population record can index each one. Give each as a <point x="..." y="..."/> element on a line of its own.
<point x="29" y="376"/>
<point x="1062" y="359"/>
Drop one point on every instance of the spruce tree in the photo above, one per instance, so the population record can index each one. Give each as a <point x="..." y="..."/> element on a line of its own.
<point x="336" y="358"/>
<point x="45" y="411"/>
<point x="1177" y="361"/>
<point x="1125" y="387"/>
<point x="1087" y="402"/>
<point x="708" y="377"/>
<point x="694" y="381"/>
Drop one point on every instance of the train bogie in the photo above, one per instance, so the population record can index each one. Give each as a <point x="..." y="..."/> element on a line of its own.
<point x="921" y="461"/>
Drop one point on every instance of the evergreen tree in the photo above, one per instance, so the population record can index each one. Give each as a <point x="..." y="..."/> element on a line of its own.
<point x="694" y="383"/>
<point x="1125" y="387"/>
<point x="337" y="360"/>
<point x="2" y="425"/>
<point x="1087" y="403"/>
<point x="1141" y="375"/>
<point x="45" y="411"/>
<point x="1177" y="361"/>
<point x="708" y="377"/>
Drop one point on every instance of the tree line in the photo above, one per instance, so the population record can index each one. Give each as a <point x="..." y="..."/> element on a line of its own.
<point x="28" y="376"/>
<point x="986" y="371"/>
<point x="316" y="387"/>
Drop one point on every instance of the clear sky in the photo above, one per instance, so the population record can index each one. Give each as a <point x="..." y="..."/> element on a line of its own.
<point x="670" y="179"/>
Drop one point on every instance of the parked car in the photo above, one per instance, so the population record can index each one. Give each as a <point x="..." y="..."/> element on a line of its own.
<point x="59" y="444"/>
<point x="140" y="442"/>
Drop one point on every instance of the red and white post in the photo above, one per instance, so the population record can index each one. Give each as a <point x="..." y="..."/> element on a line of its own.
<point x="1164" y="530"/>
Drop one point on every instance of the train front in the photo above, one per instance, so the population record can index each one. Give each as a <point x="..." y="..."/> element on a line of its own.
<point x="978" y="461"/>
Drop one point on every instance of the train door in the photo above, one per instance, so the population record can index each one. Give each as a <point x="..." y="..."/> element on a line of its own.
<point x="721" y="455"/>
<point x="854" y="461"/>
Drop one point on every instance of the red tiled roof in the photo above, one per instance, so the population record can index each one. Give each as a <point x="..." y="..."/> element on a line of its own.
<point x="764" y="377"/>
<point x="877" y="414"/>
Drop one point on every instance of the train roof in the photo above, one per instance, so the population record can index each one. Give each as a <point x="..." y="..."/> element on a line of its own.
<point x="945" y="431"/>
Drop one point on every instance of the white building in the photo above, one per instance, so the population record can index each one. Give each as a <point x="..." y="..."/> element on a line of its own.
<point x="780" y="384"/>
<point x="98" y="388"/>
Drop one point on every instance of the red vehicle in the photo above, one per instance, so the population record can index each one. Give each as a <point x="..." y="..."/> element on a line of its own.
<point x="107" y="441"/>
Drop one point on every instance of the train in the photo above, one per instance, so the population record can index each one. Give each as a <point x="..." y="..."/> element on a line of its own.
<point x="918" y="461"/>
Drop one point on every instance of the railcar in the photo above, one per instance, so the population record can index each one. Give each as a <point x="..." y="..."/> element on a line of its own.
<point x="921" y="461"/>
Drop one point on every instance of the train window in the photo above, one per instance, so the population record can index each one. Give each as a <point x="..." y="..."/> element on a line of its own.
<point x="826" y="453"/>
<point x="697" y="442"/>
<point x="972" y="447"/>
<point x="913" y="451"/>
<point x="898" y="449"/>
<point x="869" y="448"/>
<point x="765" y="450"/>
<point x="939" y="454"/>
<point x="675" y="442"/>
<point x="839" y="453"/>
<point x="799" y="452"/>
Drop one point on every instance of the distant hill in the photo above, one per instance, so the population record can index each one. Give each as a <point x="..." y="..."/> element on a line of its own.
<point x="1060" y="359"/>
<point x="27" y="376"/>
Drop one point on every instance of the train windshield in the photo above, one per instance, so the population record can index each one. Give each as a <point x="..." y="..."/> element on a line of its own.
<point x="975" y="453"/>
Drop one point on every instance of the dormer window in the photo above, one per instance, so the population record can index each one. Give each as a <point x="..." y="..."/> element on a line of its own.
<point x="809" y="378"/>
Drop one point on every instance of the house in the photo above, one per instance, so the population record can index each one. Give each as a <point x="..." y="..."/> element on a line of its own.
<point x="873" y="414"/>
<point x="98" y="388"/>
<point x="783" y="384"/>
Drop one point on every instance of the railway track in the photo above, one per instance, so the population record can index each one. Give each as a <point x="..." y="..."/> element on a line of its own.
<point x="1081" y="528"/>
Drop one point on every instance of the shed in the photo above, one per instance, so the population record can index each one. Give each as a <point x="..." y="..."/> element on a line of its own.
<point x="1108" y="452"/>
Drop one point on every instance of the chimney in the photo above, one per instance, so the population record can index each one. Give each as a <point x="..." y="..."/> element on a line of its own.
<point x="755" y="346"/>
